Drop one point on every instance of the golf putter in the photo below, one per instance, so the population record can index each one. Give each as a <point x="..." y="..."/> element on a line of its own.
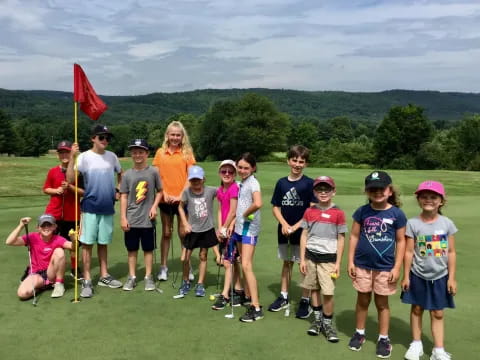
<point x="232" y="259"/>
<point x="34" y="302"/>
<point x="289" y="256"/>
<point x="157" y="289"/>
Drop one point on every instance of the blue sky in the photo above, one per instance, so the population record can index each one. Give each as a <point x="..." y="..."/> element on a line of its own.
<point x="143" y="46"/>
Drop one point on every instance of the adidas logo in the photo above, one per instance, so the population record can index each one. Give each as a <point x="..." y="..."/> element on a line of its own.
<point x="291" y="198"/>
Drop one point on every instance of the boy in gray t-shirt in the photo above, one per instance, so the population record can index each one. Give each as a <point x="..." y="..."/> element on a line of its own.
<point x="141" y="191"/>
<point x="198" y="224"/>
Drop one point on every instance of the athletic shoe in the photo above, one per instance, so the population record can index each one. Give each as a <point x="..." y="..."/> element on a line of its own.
<point x="220" y="303"/>
<point x="87" y="290"/>
<point x="163" y="273"/>
<point x="304" y="309"/>
<point x="109" y="281"/>
<point x="237" y="299"/>
<point x="191" y="276"/>
<point x="252" y="315"/>
<point x="79" y="273"/>
<point x="58" y="290"/>
<point x="356" y="342"/>
<point x="414" y="352"/>
<point x="199" y="290"/>
<point x="329" y="331"/>
<point x="184" y="288"/>
<point x="384" y="348"/>
<point x="315" y="328"/>
<point x="149" y="283"/>
<point x="440" y="355"/>
<point x="245" y="300"/>
<point x="130" y="284"/>
<point x="279" y="304"/>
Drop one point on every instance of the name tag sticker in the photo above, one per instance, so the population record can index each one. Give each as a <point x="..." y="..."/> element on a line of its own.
<point x="388" y="221"/>
<point x="439" y="232"/>
<point x="327" y="216"/>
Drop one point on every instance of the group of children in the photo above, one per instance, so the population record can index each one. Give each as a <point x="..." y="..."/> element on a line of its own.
<point x="311" y="232"/>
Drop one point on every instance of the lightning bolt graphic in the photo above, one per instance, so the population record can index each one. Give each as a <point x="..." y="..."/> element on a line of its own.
<point x="142" y="188"/>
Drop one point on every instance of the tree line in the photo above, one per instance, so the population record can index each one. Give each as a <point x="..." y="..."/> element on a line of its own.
<point x="404" y="139"/>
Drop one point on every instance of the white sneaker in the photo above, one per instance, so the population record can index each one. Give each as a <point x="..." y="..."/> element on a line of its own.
<point x="414" y="352"/>
<point x="191" y="276"/>
<point x="58" y="290"/>
<point x="436" y="355"/>
<point x="163" y="274"/>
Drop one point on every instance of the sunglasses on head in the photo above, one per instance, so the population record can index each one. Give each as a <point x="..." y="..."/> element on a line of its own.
<point x="227" y="172"/>
<point x="104" y="137"/>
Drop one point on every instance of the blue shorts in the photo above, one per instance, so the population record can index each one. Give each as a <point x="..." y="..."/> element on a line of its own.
<point x="245" y="239"/>
<point x="230" y="250"/>
<point x="96" y="229"/>
<point x="135" y="236"/>
<point x="428" y="294"/>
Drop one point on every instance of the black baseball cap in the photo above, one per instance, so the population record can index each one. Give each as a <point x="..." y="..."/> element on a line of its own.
<point x="101" y="130"/>
<point x="139" y="143"/>
<point x="377" y="179"/>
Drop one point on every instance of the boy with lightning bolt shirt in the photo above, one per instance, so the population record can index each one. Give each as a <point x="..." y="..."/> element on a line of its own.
<point x="140" y="193"/>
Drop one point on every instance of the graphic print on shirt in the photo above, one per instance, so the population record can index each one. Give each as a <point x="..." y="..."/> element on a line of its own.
<point x="433" y="245"/>
<point x="375" y="229"/>
<point x="291" y="198"/>
<point x="141" y="191"/>
<point x="201" y="210"/>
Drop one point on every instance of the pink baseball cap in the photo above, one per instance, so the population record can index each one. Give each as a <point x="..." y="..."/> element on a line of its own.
<point x="324" y="179"/>
<point x="430" y="185"/>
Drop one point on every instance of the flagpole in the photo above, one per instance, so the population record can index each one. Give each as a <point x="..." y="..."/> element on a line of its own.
<point x="75" y="126"/>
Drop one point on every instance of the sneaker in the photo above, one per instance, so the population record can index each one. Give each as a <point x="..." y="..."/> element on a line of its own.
<point x="163" y="274"/>
<point x="220" y="303"/>
<point x="79" y="274"/>
<point x="191" y="276"/>
<point x="304" y="309"/>
<point x="315" y="328"/>
<point x="58" y="290"/>
<point x="329" y="331"/>
<point x="384" y="348"/>
<point x="237" y="299"/>
<point x="440" y="355"/>
<point x="87" y="290"/>
<point x="414" y="352"/>
<point x="130" y="284"/>
<point x="252" y="315"/>
<point x="245" y="300"/>
<point x="279" y="304"/>
<point x="185" y="288"/>
<point x="149" y="283"/>
<point x="356" y="342"/>
<point x="199" y="290"/>
<point x="109" y="281"/>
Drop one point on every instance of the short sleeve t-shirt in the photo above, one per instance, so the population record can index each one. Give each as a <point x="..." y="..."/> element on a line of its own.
<point x="41" y="251"/>
<point x="60" y="206"/>
<point x="430" y="259"/>
<point x="323" y="227"/>
<point x="98" y="172"/>
<point x="141" y="187"/>
<point x="243" y="226"/>
<point x="224" y="197"/>
<point x="200" y="208"/>
<point x="293" y="197"/>
<point x="377" y="242"/>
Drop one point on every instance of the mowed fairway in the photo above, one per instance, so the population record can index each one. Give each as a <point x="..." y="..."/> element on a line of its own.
<point x="115" y="324"/>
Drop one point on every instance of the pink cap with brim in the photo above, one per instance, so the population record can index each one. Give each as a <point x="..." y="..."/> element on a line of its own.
<point x="324" y="179"/>
<point x="430" y="185"/>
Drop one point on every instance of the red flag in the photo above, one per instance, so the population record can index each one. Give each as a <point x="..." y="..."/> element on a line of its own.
<point x="84" y="94"/>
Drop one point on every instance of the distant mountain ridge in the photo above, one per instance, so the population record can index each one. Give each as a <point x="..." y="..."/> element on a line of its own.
<point x="322" y="105"/>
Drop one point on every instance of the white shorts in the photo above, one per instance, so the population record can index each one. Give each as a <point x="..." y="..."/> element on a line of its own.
<point x="288" y="252"/>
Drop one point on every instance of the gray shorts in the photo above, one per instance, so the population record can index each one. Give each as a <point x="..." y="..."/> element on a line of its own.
<point x="288" y="252"/>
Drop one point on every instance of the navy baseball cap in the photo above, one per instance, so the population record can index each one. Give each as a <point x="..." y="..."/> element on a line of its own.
<point x="101" y="130"/>
<point x="377" y="179"/>
<point x="139" y="143"/>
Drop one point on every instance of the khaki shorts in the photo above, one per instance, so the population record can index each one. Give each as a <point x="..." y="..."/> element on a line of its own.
<point x="318" y="277"/>
<point x="367" y="281"/>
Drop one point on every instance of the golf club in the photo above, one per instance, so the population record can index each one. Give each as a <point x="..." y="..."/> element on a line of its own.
<point x="154" y="225"/>
<point x="232" y="259"/>
<point x="217" y="294"/>
<point x="290" y="268"/>
<point x="34" y="302"/>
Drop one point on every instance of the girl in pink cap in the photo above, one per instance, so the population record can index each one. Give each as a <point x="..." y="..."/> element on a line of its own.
<point x="429" y="268"/>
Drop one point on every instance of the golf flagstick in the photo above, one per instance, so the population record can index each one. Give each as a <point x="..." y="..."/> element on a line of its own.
<point x="30" y="273"/>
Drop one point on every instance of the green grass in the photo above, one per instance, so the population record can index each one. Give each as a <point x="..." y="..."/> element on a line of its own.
<point x="138" y="325"/>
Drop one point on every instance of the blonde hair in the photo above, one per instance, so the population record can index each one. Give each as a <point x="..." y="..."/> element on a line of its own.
<point x="185" y="146"/>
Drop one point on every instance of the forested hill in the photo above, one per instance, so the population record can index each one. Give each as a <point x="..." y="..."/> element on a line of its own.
<point x="321" y="105"/>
